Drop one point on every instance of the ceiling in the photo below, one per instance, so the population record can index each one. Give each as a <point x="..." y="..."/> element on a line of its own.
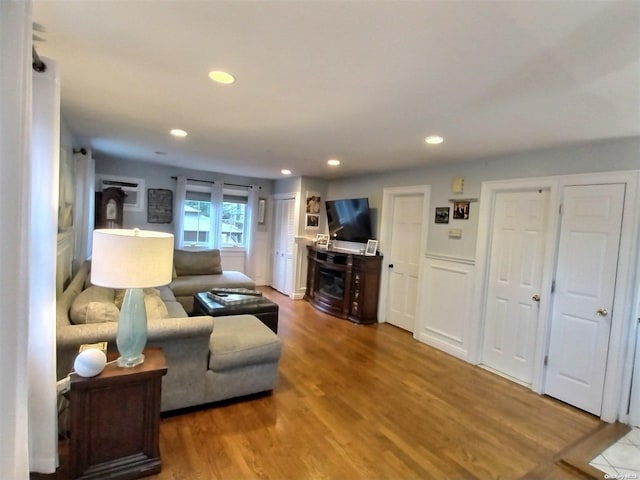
<point x="361" y="81"/>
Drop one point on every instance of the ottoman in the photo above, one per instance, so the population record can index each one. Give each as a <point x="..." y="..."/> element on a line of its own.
<point x="243" y="357"/>
<point x="263" y="309"/>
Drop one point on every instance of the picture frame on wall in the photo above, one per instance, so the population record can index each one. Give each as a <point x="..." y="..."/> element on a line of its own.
<point x="461" y="210"/>
<point x="442" y="215"/>
<point x="159" y="205"/>
<point x="313" y="203"/>
<point x="312" y="211"/>
<point x="312" y="222"/>
<point x="372" y="247"/>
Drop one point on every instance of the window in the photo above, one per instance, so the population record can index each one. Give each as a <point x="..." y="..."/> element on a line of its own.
<point x="199" y="213"/>
<point x="234" y="205"/>
<point x="197" y="218"/>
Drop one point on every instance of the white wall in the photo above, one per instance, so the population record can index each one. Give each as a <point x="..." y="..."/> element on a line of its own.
<point x="42" y="246"/>
<point x="15" y="141"/>
<point x="159" y="176"/>
<point x="29" y="137"/>
<point x="447" y="258"/>
<point x="623" y="154"/>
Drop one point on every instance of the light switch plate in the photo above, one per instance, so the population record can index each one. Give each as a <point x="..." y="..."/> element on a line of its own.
<point x="455" y="233"/>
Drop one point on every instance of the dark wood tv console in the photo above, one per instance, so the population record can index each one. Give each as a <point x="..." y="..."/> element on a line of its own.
<point x="342" y="284"/>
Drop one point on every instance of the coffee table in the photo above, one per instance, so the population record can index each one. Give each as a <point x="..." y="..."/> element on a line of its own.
<point x="265" y="310"/>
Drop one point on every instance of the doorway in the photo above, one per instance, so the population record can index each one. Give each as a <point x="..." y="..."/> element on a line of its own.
<point x="585" y="286"/>
<point x="515" y="275"/>
<point x="404" y="233"/>
<point x="284" y="228"/>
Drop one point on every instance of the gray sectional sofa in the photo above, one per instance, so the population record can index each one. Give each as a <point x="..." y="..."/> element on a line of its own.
<point x="208" y="359"/>
<point x="198" y="271"/>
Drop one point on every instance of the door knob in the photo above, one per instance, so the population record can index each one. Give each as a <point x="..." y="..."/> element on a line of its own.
<point x="536" y="298"/>
<point x="602" y="312"/>
<point x="391" y="265"/>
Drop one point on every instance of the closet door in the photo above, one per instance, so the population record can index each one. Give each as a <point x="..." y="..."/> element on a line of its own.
<point x="283" y="245"/>
<point x="585" y="290"/>
<point x="515" y="275"/>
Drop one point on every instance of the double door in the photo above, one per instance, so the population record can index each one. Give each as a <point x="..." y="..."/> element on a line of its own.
<point x="575" y="354"/>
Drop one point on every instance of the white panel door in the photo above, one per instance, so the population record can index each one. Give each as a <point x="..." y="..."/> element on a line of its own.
<point x="283" y="245"/>
<point x="515" y="274"/>
<point x="403" y="259"/>
<point x="585" y="286"/>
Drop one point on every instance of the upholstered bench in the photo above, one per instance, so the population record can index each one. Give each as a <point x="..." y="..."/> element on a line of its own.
<point x="243" y="357"/>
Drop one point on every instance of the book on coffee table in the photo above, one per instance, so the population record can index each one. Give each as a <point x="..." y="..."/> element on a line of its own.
<point x="233" y="298"/>
<point x="241" y="291"/>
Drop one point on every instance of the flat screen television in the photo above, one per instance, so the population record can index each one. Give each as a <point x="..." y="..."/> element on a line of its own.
<point x="349" y="219"/>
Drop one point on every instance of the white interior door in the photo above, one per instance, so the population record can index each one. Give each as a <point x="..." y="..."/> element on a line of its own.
<point x="585" y="287"/>
<point x="403" y="259"/>
<point x="283" y="245"/>
<point x="515" y="274"/>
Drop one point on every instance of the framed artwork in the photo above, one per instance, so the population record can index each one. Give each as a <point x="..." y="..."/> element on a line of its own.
<point x="159" y="205"/>
<point x="312" y="209"/>
<point x="313" y="203"/>
<point x="372" y="246"/>
<point x="442" y="215"/>
<point x="312" y="221"/>
<point x="461" y="210"/>
<point x="322" y="240"/>
<point x="262" y="207"/>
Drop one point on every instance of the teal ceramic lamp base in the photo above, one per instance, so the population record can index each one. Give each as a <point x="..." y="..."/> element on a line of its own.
<point x="132" y="328"/>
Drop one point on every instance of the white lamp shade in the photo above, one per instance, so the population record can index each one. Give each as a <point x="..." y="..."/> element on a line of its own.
<point x="135" y="258"/>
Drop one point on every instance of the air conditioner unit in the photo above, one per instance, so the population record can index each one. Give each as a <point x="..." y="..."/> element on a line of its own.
<point x="133" y="187"/>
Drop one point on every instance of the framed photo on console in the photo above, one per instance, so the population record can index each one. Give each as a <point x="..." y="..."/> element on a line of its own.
<point x="372" y="246"/>
<point x="322" y="240"/>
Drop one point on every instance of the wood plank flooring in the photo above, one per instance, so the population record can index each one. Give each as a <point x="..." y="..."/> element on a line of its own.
<point x="370" y="402"/>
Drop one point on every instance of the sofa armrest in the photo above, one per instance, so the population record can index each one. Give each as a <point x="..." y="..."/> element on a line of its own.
<point x="180" y="328"/>
<point x="72" y="336"/>
<point x="161" y="332"/>
<point x="185" y="342"/>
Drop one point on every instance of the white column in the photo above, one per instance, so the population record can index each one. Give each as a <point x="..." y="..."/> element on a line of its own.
<point x="15" y="142"/>
<point x="42" y="241"/>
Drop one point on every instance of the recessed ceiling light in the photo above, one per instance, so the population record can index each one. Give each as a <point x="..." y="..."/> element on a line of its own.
<point x="333" y="162"/>
<point x="222" y="77"/>
<point x="176" y="132"/>
<point x="285" y="171"/>
<point x="434" y="139"/>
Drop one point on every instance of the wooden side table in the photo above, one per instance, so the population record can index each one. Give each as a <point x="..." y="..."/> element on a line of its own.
<point x="115" y="421"/>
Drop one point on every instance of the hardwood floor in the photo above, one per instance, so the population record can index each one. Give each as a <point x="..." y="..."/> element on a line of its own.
<point x="366" y="402"/>
<point x="370" y="402"/>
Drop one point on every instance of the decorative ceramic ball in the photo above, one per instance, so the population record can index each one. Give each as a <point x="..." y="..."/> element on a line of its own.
<point x="90" y="362"/>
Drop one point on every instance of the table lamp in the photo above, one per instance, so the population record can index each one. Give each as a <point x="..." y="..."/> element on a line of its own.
<point x="133" y="260"/>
